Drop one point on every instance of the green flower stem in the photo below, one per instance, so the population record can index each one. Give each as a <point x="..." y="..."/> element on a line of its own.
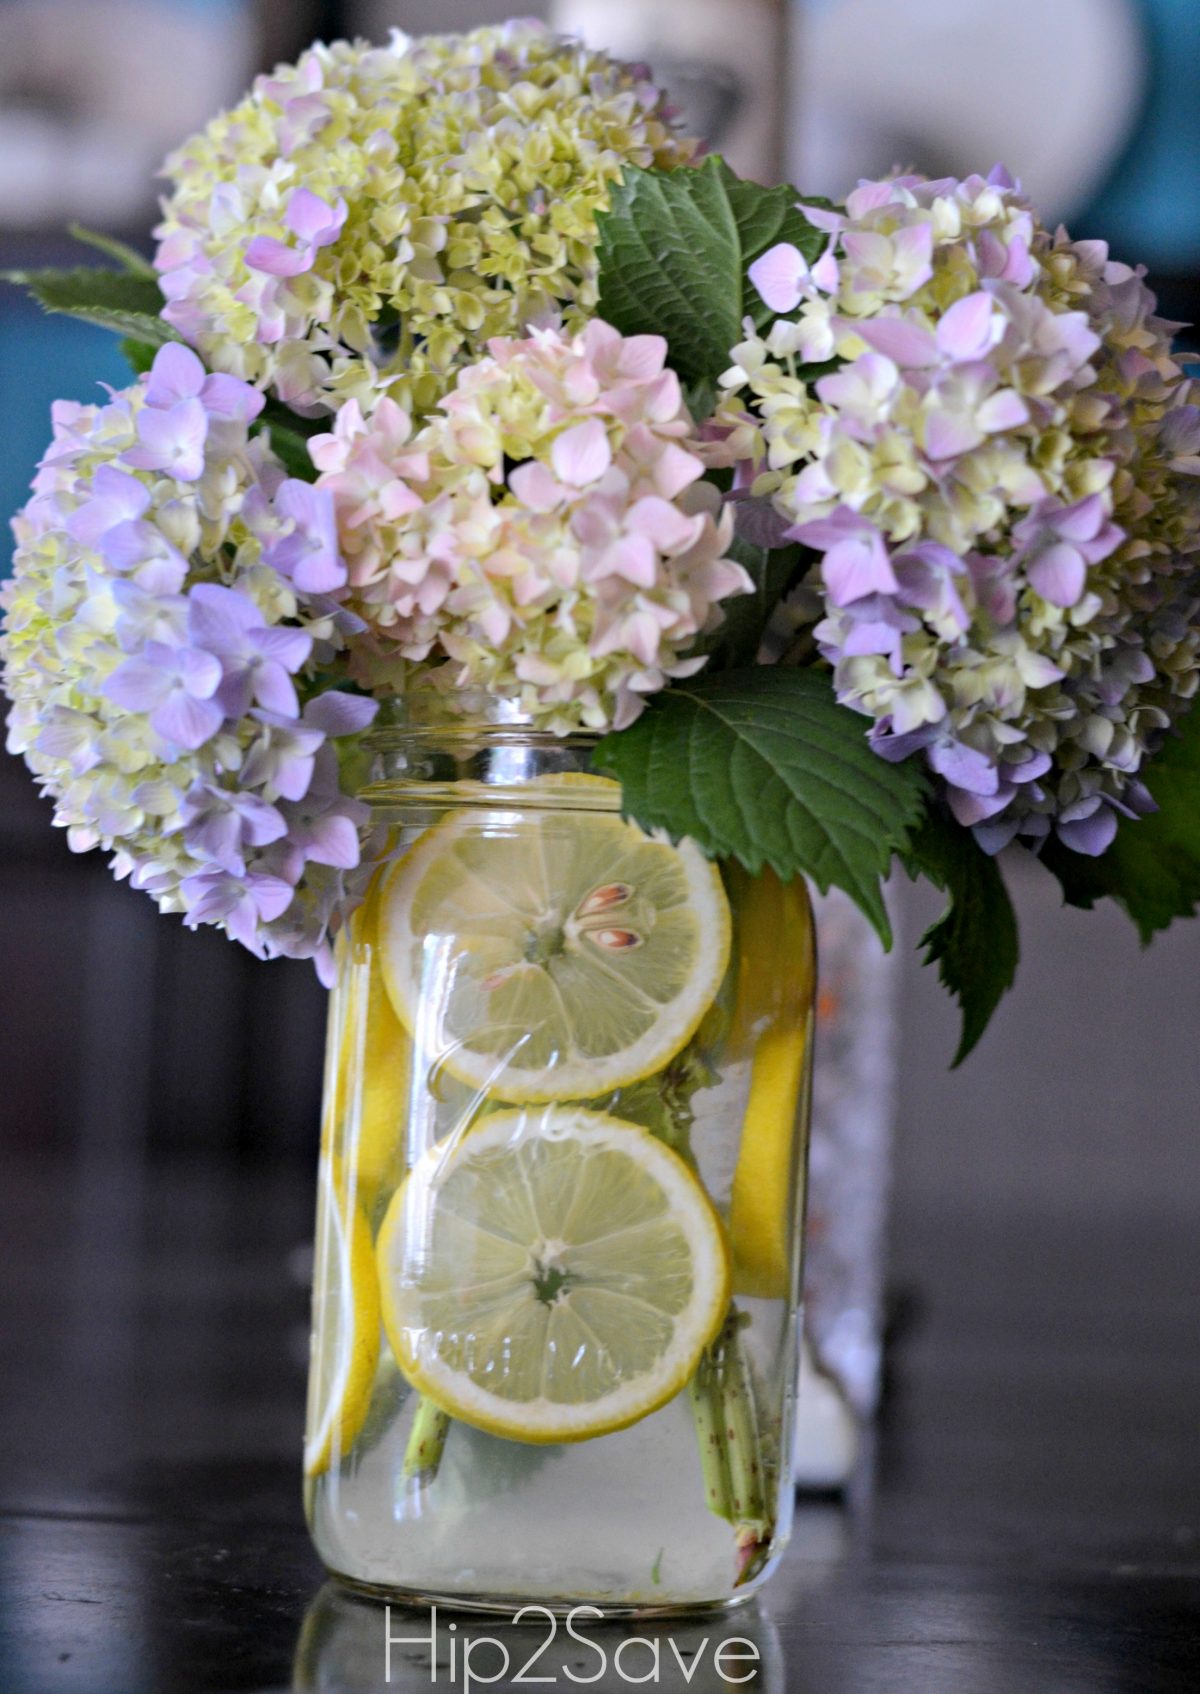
<point x="721" y="1394"/>
<point x="742" y="1445"/>
<point x="731" y="1450"/>
<point x="426" y="1442"/>
<point x="705" y="1396"/>
<point x="744" y="1453"/>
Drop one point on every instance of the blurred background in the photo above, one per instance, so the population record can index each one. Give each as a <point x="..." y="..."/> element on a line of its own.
<point x="123" y="1036"/>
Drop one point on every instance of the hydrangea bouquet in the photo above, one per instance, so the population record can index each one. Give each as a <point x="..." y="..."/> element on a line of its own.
<point x="858" y="534"/>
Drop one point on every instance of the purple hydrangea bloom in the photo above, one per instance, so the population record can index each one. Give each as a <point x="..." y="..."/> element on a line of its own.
<point x="113" y="499"/>
<point x="1057" y="543"/>
<point x="177" y="376"/>
<point x="171" y="440"/>
<point x="221" y="823"/>
<point x="308" y="554"/>
<point x="323" y="827"/>
<point x="257" y="661"/>
<point x="242" y="903"/>
<point x="282" y="756"/>
<point x="999" y="482"/>
<point x="857" y="562"/>
<point x="175" y="687"/>
<point x="173" y="732"/>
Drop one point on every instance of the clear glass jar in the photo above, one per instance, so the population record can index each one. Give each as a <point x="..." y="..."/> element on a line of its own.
<point x="560" y="1211"/>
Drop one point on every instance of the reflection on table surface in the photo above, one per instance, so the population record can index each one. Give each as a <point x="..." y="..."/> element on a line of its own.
<point x="1032" y="1524"/>
<point x="343" y="1645"/>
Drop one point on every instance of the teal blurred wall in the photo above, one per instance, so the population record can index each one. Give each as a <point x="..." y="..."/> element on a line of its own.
<point x="42" y="359"/>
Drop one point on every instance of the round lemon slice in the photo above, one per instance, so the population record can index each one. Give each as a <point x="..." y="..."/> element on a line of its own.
<point x="346" y="1335"/>
<point x="551" y="1275"/>
<point x="551" y="954"/>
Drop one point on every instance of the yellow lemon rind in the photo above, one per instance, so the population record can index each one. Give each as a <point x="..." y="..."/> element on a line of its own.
<point x="341" y="1419"/>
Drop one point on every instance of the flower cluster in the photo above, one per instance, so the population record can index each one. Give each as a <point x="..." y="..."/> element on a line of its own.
<point x="999" y="476"/>
<point x="170" y="593"/>
<point x="545" y="538"/>
<point x="371" y="216"/>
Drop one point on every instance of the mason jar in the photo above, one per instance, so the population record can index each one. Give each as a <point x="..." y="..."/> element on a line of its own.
<point x="559" y="1224"/>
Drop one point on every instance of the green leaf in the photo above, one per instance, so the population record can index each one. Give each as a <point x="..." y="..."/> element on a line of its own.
<point x="674" y="250"/>
<point x="1083" y="880"/>
<point x="127" y="257"/>
<point x="131" y="326"/>
<point x="762" y="765"/>
<point x="1152" y="868"/>
<point x="291" y="448"/>
<point x="91" y="288"/>
<point x="279" y="416"/>
<point x="974" y="942"/>
<point x="139" y="355"/>
<point x="701" y="398"/>
<point x="115" y="300"/>
<point x="290" y="434"/>
<point x="736" y="642"/>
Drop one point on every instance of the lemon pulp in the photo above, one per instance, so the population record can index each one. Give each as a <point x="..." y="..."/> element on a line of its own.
<point x="551" y="1275"/>
<point x="551" y="954"/>
<point x="346" y="1332"/>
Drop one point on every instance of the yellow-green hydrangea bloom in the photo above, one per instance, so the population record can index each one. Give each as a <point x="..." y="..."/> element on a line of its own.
<point x="366" y="219"/>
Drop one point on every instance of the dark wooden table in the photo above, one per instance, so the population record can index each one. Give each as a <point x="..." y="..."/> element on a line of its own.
<point x="1029" y="1521"/>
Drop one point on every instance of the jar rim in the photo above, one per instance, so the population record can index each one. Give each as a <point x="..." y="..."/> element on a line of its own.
<point x="424" y="713"/>
<point x="393" y="737"/>
<point x="489" y="754"/>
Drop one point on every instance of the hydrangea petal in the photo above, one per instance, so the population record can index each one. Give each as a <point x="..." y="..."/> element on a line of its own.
<point x="177" y="374"/>
<point x="779" y="276"/>
<point x="581" y="454"/>
<point x="1059" y="573"/>
<point x="267" y="253"/>
<point x="172" y="440"/>
<point x="313" y="219"/>
<point x="970" y="328"/>
<point x="187" y="721"/>
<point x="902" y="341"/>
<point x="1090" y="836"/>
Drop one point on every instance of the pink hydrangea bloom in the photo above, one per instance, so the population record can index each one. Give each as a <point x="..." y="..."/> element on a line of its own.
<point x="547" y="537"/>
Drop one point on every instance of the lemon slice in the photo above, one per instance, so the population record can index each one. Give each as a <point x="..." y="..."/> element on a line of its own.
<point x="552" y="954"/>
<point x="551" y="1275"/>
<point x="367" y="1096"/>
<point x="345" y="1328"/>
<point x="772" y="1019"/>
